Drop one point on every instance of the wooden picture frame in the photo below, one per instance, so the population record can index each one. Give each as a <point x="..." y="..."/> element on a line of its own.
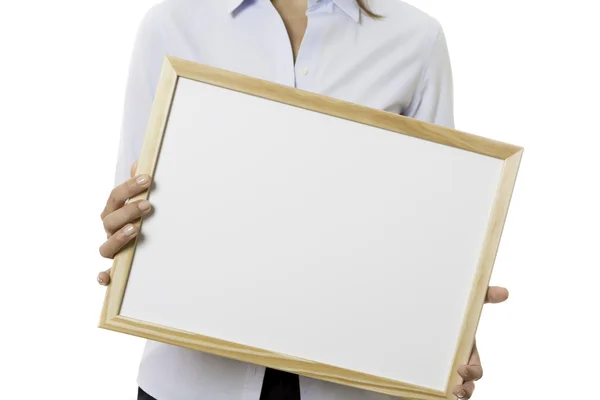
<point x="174" y="69"/>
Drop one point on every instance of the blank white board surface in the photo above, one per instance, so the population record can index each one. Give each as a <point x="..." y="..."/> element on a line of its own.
<point x="308" y="235"/>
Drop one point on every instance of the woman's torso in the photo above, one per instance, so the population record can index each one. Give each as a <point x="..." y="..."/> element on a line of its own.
<point x="345" y="55"/>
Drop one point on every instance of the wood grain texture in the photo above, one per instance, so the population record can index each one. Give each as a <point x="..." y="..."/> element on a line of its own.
<point x="353" y="112"/>
<point x="146" y="165"/>
<point x="485" y="267"/>
<point x="270" y="359"/>
<point x="173" y="69"/>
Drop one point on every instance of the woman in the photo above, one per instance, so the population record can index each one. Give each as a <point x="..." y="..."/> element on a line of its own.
<point x="387" y="55"/>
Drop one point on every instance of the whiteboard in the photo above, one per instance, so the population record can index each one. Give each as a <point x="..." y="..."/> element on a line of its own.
<point x="311" y="236"/>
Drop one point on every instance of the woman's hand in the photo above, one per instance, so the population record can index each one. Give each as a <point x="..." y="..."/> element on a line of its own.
<point x="473" y="371"/>
<point x="117" y="217"/>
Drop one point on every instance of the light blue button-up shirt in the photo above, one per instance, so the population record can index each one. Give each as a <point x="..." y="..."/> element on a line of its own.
<point x="399" y="63"/>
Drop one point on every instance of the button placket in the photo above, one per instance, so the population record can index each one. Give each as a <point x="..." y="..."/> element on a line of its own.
<point x="305" y="67"/>
<point x="285" y="60"/>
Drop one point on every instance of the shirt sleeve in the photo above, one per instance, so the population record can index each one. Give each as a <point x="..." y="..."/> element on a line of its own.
<point x="144" y="71"/>
<point x="433" y="100"/>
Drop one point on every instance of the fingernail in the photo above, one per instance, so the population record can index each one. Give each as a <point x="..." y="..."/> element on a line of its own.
<point x="461" y="394"/>
<point x="142" y="179"/>
<point x="129" y="230"/>
<point x="144" y="205"/>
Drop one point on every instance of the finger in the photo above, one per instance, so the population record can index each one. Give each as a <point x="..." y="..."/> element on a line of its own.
<point x="104" y="277"/>
<point x="496" y="294"/>
<point x="118" y="240"/>
<point x="124" y="215"/>
<point x="473" y="370"/>
<point x="470" y="372"/>
<point x="133" y="168"/>
<point x="464" y="391"/>
<point x="124" y="191"/>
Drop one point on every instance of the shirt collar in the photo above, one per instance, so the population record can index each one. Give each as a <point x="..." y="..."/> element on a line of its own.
<point x="233" y="5"/>
<point x="350" y="7"/>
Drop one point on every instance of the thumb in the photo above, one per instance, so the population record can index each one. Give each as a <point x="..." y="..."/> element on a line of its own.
<point x="133" y="168"/>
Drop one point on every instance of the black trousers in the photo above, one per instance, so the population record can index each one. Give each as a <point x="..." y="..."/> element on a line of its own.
<point x="277" y="385"/>
<point x="143" y="395"/>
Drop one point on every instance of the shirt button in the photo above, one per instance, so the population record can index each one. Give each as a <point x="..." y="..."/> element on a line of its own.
<point x="304" y="71"/>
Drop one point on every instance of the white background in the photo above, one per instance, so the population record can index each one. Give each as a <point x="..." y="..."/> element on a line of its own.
<point x="525" y="72"/>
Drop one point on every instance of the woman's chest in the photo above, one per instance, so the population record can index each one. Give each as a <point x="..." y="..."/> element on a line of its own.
<point x="334" y="58"/>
